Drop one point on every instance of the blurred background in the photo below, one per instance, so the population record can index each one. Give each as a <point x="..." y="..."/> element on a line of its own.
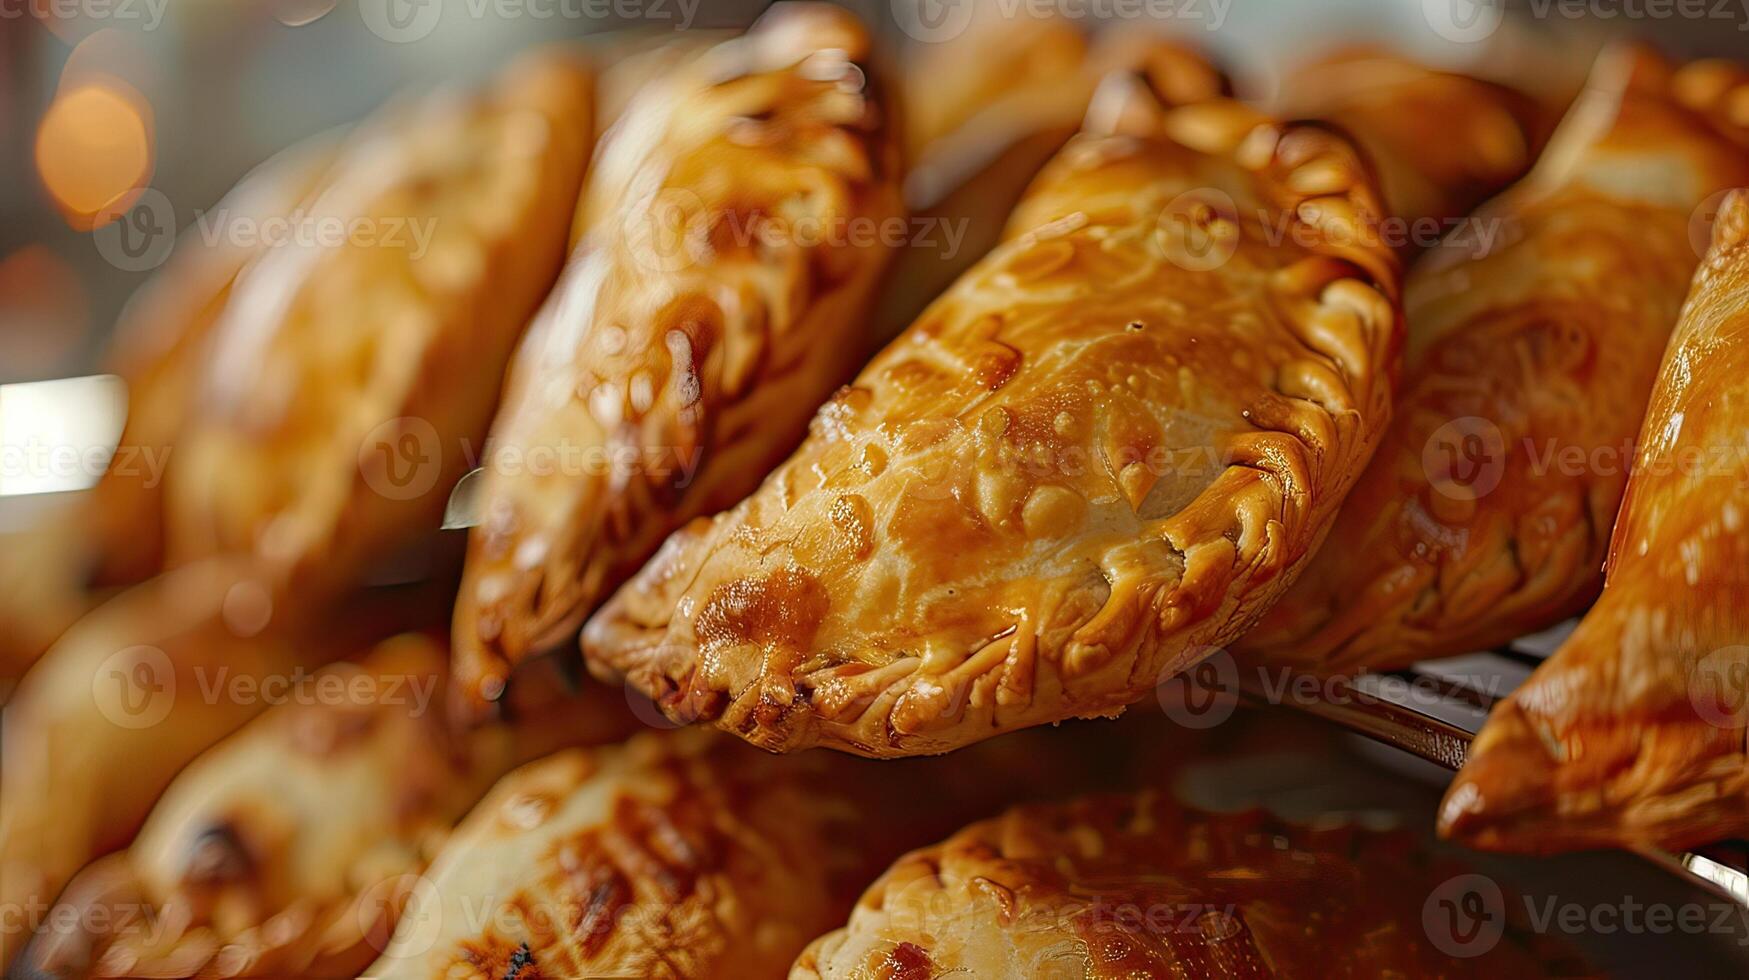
<point x="122" y="119"/>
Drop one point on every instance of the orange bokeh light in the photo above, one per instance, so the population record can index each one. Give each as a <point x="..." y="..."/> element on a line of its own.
<point x="94" y="151"/>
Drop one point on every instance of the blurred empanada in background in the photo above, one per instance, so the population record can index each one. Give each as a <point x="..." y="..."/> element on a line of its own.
<point x="114" y="534"/>
<point x="286" y="849"/>
<point x="1632" y="733"/>
<point x="356" y="365"/>
<point x="985" y="111"/>
<point x="732" y="239"/>
<point x="1105" y="450"/>
<point x="1440" y="142"/>
<point x="124" y="700"/>
<point x="688" y="854"/>
<point x="1141" y="886"/>
<point x="1486" y="512"/>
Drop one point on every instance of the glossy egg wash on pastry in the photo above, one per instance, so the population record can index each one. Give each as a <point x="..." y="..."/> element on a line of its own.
<point x="1486" y="512"/>
<point x="1105" y="450"/>
<point x="736" y="220"/>
<point x="686" y="855"/>
<point x="1632" y="734"/>
<point x="358" y="361"/>
<point x="288" y="848"/>
<point x="1123" y="887"/>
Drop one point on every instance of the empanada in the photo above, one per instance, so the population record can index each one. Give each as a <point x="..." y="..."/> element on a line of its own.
<point x="123" y="700"/>
<point x="357" y="364"/>
<point x="1105" y="449"/>
<point x="114" y="534"/>
<point x="1139" y="886"/>
<point x="1441" y="142"/>
<point x="688" y="854"/>
<point x="161" y="343"/>
<point x="1015" y="90"/>
<point x="1485" y="514"/>
<point x="286" y="848"/>
<point x="737" y="219"/>
<point x="1632" y="734"/>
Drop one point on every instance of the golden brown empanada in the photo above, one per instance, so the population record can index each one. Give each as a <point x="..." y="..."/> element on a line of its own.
<point x="688" y="854"/>
<point x="114" y="534"/>
<point x="999" y="59"/>
<point x="357" y="365"/>
<point x="1441" y="142"/>
<point x="1011" y="112"/>
<point x="716" y="300"/>
<point x="1108" y="447"/>
<point x="284" y="850"/>
<point x="1486" y="512"/>
<point x="1139" y="886"/>
<point x="161" y="343"/>
<point x="1632" y="734"/>
<point x="128" y="695"/>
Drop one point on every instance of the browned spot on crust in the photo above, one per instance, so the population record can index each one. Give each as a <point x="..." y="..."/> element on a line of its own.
<point x="906" y="961"/>
<point x="780" y="611"/>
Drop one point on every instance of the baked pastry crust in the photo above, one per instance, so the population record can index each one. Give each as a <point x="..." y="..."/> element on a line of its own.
<point x="285" y="849"/>
<point x="1097" y="455"/>
<point x="1441" y="142"/>
<point x="114" y="534"/>
<point x="1632" y="734"/>
<point x="1485" y="514"/>
<point x="687" y="854"/>
<point x="678" y="855"/>
<point x="717" y="299"/>
<point x="132" y="692"/>
<point x="1138" y="886"/>
<point x="1014" y="89"/>
<point x="349" y="381"/>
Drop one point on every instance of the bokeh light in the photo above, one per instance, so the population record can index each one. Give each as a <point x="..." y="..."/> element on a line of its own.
<point x="94" y="150"/>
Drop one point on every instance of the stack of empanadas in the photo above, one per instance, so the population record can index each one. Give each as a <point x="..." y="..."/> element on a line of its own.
<point x="1177" y="396"/>
<point x="1486" y="512"/>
